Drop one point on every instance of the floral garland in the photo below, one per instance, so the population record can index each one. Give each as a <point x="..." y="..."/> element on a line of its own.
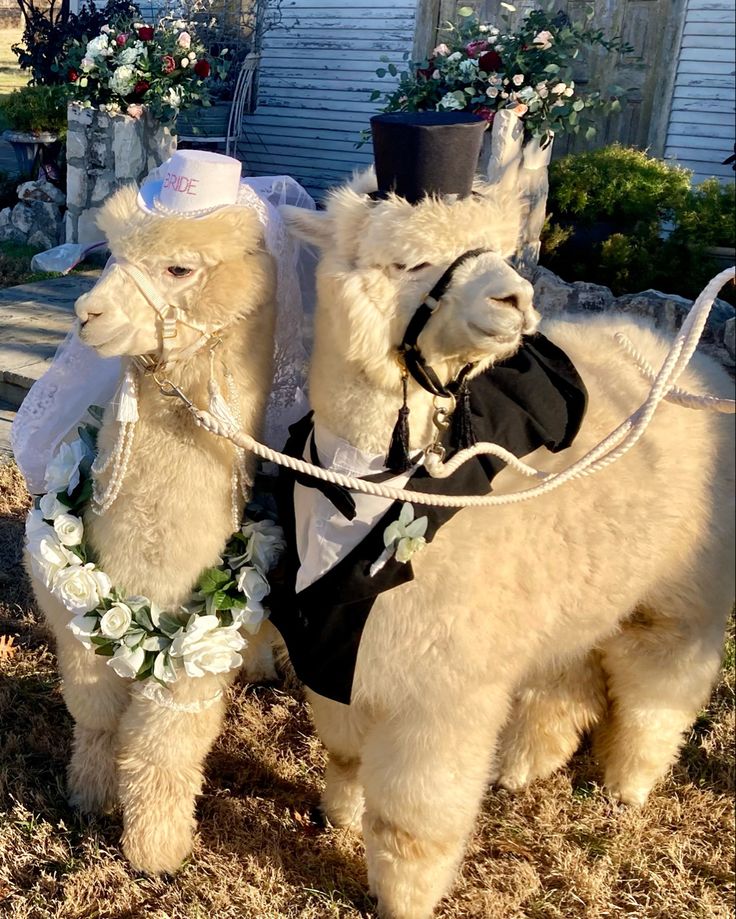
<point x="482" y="69"/>
<point x="140" y="639"/>
<point x="130" y="65"/>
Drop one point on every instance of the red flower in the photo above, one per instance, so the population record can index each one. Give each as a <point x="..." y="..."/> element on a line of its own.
<point x="485" y="112"/>
<point x="72" y="76"/>
<point x="122" y="38"/>
<point x="145" y="33"/>
<point x="168" y="64"/>
<point x="202" y="68"/>
<point x="141" y="87"/>
<point x="490" y="62"/>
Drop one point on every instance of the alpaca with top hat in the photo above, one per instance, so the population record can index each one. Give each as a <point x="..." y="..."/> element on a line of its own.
<point x="442" y="648"/>
<point x="140" y="559"/>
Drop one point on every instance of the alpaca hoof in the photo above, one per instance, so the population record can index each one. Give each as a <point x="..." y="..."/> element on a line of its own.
<point x="156" y="852"/>
<point x="91" y="800"/>
<point x="513" y="780"/>
<point x="92" y="782"/>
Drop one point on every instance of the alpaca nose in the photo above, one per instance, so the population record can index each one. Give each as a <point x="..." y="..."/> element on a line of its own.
<point x="82" y="310"/>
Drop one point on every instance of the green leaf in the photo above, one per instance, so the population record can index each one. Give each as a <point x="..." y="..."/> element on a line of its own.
<point x="590" y="133"/>
<point x="392" y="70"/>
<point x="552" y="68"/>
<point x="168" y="624"/>
<point x="381" y="72"/>
<point x="466" y="11"/>
<point x="578" y="105"/>
<point x="508" y="6"/>
<point x="211" y="580"/>
<point x="376" y="94"/>
<point x="143" y="618"/>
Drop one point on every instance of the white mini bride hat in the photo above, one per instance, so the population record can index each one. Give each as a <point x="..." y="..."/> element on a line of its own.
<point x="192" y="183"/>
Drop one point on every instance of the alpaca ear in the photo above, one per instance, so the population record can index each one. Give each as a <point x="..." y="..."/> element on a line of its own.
<point x="314" y="227"/>
<point x="242" y="223"/>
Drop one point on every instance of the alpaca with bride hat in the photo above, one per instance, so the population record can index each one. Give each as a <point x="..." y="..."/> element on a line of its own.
<point x="151" y="579"/>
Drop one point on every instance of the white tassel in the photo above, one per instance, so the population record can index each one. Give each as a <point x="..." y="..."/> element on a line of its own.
<point x="219" y="407"/>
<point x="127" y="398"/>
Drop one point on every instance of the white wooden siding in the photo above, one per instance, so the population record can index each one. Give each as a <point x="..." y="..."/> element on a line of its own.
<point x="318" y="69"/>
<point x="702" y="123"/>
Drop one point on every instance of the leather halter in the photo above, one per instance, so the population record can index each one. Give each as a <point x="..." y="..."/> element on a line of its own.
<point x="411" y="357"/>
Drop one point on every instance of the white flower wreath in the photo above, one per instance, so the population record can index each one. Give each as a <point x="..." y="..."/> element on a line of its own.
<point x="141" y="640"/>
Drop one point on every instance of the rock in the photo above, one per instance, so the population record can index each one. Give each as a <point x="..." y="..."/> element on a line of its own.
<point x="104" y="185"/>
<point x="87" y="231"/>
<point x="551" y="294"/>
<point x="22" y="217"/>
<point x="591" y="297"/>
<point x="70" y="227"/>
<point x="9" y="233"/>
<point x="729" y="337"/>
<point x="41" y="191"/>
<point x="75" y="145"/>
<point x="46" y="219"/>
<point x="5" y="217"/>
<point x="41" y="240"/>
<point x="79" y="115"/>
<point x="76" y="186"/>
<point x="127" y="148"/>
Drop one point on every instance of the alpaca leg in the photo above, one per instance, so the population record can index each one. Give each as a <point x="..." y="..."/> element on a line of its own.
<point x="96" y="698"/>
<point x="162" y="748"/>
<point x="341" y="732"/>
<point x="660" y="671"/>
<point x="548" y="717"/>
<point x="258" y="655"/>
<point x="424" y="776"/>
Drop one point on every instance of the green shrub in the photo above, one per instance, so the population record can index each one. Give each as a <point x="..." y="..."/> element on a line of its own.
<point x="33" y="109"/>
<point x="626" y="220"/>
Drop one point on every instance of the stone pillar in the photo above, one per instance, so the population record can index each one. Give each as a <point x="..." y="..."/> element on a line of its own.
<point x="513" y="165"/>
<point x="103" y="153"/>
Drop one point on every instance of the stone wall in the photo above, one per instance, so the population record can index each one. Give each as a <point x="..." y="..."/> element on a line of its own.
<point x="667" y="311"/>
<point x="36" y="218"/>
<point x="104" y="152"/>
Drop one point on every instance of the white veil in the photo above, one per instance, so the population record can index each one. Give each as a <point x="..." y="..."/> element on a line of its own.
<point x="79" y="377"/>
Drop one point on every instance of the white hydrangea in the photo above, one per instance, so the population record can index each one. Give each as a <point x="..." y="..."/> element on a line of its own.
<point x="123" y="80"/>
<point x="450" y="102"/>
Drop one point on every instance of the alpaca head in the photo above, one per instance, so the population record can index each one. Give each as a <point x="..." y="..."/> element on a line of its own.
<point x="381" y="258"/>
<point x="212" y="268"/>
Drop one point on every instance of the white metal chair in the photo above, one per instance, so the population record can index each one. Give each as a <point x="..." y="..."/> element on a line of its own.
<point x="242" y="97"/>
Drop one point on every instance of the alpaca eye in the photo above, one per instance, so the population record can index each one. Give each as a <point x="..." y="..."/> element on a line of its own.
<point x="177" y="271"/>
<point x="420" y="267"/>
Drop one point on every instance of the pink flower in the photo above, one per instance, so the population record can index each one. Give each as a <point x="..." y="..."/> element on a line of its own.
<point x="122" y="38"/>
<point x="544" y="39"/>
<point x="474" y="48"/>
<point x="441" y="51"/>
<point x="184" y="40"/>
<point x="168" y="64"/>
<point x="134" y="110"/>
<point x="520" y="109"/>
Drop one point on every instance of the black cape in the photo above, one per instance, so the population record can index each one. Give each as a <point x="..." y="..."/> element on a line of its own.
<point x="532" y="399"/>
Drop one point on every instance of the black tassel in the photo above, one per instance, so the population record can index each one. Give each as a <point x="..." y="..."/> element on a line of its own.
<point x="462" y="434"/>
<point x="397" y="458"/>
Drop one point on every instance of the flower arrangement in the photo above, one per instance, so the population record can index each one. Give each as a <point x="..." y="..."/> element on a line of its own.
<point x="131" y="64"/>
<point x="483" y="69"/>
<point x="140" y="639"/>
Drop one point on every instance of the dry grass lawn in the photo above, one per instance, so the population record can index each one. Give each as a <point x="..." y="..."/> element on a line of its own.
<point x="559" y="851"/>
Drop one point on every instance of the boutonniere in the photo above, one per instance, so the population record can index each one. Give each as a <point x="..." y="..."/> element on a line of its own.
<point x="402" y="538"/>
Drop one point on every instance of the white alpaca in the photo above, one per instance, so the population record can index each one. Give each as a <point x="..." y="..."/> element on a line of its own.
<point x="616" y="584"/>
<point x="174" y="512"/>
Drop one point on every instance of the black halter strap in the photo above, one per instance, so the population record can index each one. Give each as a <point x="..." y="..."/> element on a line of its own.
<point x="409" y="352"/>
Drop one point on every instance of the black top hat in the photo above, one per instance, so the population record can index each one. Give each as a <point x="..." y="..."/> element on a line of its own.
<point x="426" y="153"/>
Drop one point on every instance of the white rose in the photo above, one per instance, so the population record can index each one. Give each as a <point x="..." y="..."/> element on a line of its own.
<point x="249" y="618"/>
<point x="207" y="647"/>
<point x="491" y="92"/>
<point x="126" y="663"/>
<point x="51" y="507"/>
<point x="84" y="82"/>
<point x="48" y="556"/>
<point x="455" y="56"/>
<point x="559" y="88"/>
<point x="544" y="39"/>
<point x="88" y="64"/>
<point x="252" y="583"/>
<point x="265" y="543"/>
<point x="184" y="62"/>
<point x="81" y="588"/>
<point x="184" y="40"/>
<point x="83" y="628"/>
<point x="517" y="79"/>
<point x="192" y="56"/>
<point x="172" y="97"/>
<point x="116" y="621"/>
<point x="62" y="473"/>
<point x="69" y="529"/>
<point x="164" y="668"/>
<point x="569" y="91"/>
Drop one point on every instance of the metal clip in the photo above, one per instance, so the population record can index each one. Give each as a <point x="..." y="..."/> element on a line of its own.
<point x="167" y="388"/>
<point x="442" y="414"/>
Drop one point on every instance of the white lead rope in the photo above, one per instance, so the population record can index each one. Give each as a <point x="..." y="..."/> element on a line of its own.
<point x="613" y="447"/>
